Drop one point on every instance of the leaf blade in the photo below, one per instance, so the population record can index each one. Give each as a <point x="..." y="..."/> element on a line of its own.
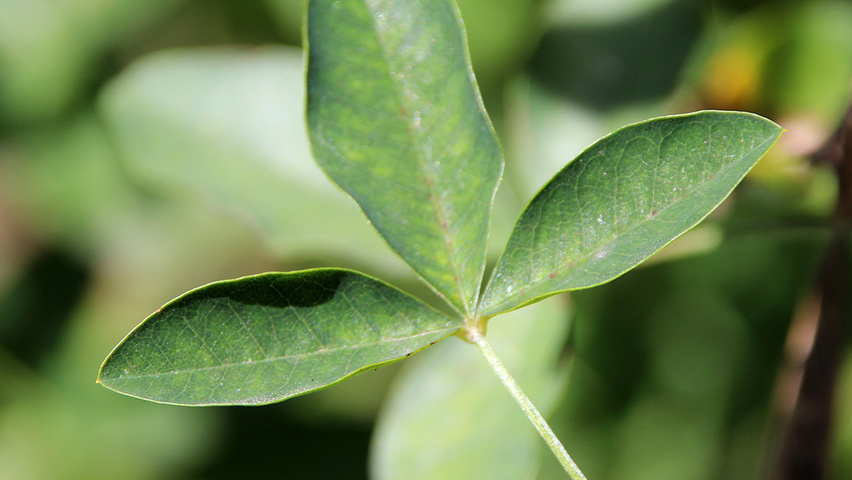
<point x="265" y="338"/>
<point x="622" y="200"/>
<point x="396" y="120"/>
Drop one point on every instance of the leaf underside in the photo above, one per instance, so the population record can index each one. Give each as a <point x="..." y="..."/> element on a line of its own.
<point x="269" y="337"/>
<point x="623" y="199"/>
<point x="395" y="119"/>
<point x="483" y="435"/>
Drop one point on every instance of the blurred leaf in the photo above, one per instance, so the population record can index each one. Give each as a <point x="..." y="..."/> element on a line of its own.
<point x="634" y="57"/>
<point x="697" y="360"/>
<point x="396" y="120"/>
<point x="810" y="68"/>
<point x="664" y="437"/>
<point x="543" y="130"/>
<point x="623" y="199"/>
<point x="228" y="123"/>
<point x="600" y="11"/>
<point x="288" y="16"/>
<point x="265" y="338"/>
<point x="654" y="336"/>
<point x="448" y="417"/>
<point x="64" y="183"/>
<point x="48" y="433"/>
<point x="56" y="424"/>
<point x="48" y="49"/>
<point x="501" y="34"/>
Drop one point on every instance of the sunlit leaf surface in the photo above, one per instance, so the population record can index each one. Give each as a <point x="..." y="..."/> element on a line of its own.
<point x="268" y="337"/>
<point x="395" y="119"/>
<point x="624" y="198"/>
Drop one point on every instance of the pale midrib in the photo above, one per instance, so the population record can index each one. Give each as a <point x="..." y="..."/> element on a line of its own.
<point x="288" y="358"/>
<point x="437" y="205"/>
<point x="597" y="248"/>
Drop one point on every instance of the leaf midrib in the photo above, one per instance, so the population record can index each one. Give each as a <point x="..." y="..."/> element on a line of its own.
<point x="599" y="247"/>
<point x="318" y="352"/>
<point x="437" y="205"/>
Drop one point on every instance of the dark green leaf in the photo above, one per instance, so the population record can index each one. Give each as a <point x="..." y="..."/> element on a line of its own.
<point x="395" y="119"/>
<point x="268" y="337"/>
<point x="623" y="199"/>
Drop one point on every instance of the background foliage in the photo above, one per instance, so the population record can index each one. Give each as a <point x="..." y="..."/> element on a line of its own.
<point x="147" y="147"/>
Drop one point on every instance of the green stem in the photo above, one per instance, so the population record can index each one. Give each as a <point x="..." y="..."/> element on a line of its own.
<point x="526" y="405"/>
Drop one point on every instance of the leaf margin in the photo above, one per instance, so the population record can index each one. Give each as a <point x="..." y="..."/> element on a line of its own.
<point x="468" y="292"/>
<point x="490" y="308"/>
<point x="438" y="335"/>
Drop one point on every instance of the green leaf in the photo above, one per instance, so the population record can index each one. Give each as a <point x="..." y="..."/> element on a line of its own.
<point x="395" y="118"/>
<point x="623" y="199"/>
<point x="227" y="124"/>
<point x="269" y="337"/>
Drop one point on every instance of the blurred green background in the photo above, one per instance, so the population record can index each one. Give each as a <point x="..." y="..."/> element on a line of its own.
<point x="151" y="146"/>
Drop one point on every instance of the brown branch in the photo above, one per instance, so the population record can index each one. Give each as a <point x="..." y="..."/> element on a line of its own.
<point x="805" y="445"/>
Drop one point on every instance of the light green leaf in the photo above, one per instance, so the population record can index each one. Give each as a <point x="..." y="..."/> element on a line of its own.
<point x="448" y="417"/>
<point x="394" y="118"/>
<point x="623" y="199"/>
<point x="269" y="337"/>
<point x="227" y="124"/>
